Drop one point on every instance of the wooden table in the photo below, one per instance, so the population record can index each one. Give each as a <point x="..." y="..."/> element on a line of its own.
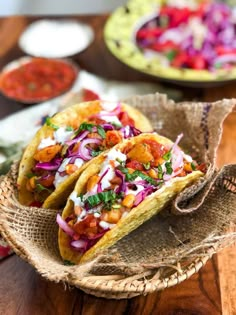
<point x="211" y="291"/>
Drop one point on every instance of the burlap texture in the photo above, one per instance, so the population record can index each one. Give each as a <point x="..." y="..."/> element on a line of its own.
<point x="165" y="250"/>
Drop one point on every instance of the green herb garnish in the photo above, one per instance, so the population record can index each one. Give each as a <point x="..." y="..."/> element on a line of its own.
<point x="106" y="197"/>
<point x="169" y="168"/>
<point x="167" y="155"/>
<point x="89" y="127"/>
<point x="69" y="128"/>
<point x="160" y="172"/>
<point x="85" y="126"/>
<point x="101" y="132"/>
<point x="146" y="165"/>
<point x="135" y="174"/>
<point x="49" y="123"/>
<point x="193" y="166"/>
<point x="95" y="153"/>
<point x="122" y="163"/>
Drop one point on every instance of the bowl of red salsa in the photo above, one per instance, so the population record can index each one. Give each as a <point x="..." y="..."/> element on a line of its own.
<point x="33" y="80"/>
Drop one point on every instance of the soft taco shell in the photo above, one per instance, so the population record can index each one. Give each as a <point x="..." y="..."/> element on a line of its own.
<point x="71" y="116"/>
<point x="137" y="216"/>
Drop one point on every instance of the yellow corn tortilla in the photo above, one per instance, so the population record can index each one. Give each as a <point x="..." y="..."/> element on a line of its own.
<point x="71" y="116"/>
<point x="149" y="207"/>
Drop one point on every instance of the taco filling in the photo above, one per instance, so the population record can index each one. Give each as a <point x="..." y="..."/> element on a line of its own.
<point x="126" y="178"/>
<point x="67" y="149"/>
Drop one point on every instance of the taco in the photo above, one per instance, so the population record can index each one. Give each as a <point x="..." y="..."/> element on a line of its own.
<point x="122" y="189"/>
<point x="67" y="143"/>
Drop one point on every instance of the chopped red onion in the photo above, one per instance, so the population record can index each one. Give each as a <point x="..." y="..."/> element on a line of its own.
<point x="177" y="159"/>
<point x="122" y="186"/>
<point x="80" y="245"/>
<point x="78" y="138"/>
<point x="49" y="166"/>
<point x="100" y="181"/>
<point x="107" y="127"/>
<point x="83" y="151"/>
<point x="64" y="226"/>
<point x="141" y="195"/>
<point x="177" y="141"/>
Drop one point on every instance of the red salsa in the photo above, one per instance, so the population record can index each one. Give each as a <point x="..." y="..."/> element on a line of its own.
<point x="38" y="80"/>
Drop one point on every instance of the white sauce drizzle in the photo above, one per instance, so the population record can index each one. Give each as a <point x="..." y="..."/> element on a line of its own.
<point x="46" y="142"/>
<point x="61" y="135"/>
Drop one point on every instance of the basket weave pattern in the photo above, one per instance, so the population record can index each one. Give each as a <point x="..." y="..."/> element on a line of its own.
<point x="164" y="251"/>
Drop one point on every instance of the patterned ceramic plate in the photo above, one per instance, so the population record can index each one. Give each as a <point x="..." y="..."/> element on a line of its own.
<point x="120" y="36"/>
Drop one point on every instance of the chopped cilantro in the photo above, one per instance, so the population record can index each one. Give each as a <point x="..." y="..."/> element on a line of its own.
<point x="146" y="166"/>
<point x="101" y="132"/>
<point x="89" y="127"/>
<point x="85" y="126"/>
<point x="135" y="174"/>
<point x="122" y="163"/>
<point x="160" y="172"/>
<point x="49" y="123"/>
<point x="69" y="128"/>
<point x="105" y="197"/>
<point x="95" y="153"/>
<point x="169" y="169"/>
<point x="167" y="155"/>
<point x="193" y="166"/>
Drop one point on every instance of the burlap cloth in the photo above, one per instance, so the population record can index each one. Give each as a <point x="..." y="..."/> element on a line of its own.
<point x="165" y="250"/>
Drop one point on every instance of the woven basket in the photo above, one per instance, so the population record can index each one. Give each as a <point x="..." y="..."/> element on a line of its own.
<point x="165" y="250"/>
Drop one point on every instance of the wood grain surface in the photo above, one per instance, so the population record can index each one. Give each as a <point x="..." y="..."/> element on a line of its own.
<point x="210" y="292"/>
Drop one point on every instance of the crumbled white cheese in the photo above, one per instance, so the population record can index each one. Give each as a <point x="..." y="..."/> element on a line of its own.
<point x="61" y="135"/>
<point x="47" y="142"/>
<point x="97" y="215"/>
